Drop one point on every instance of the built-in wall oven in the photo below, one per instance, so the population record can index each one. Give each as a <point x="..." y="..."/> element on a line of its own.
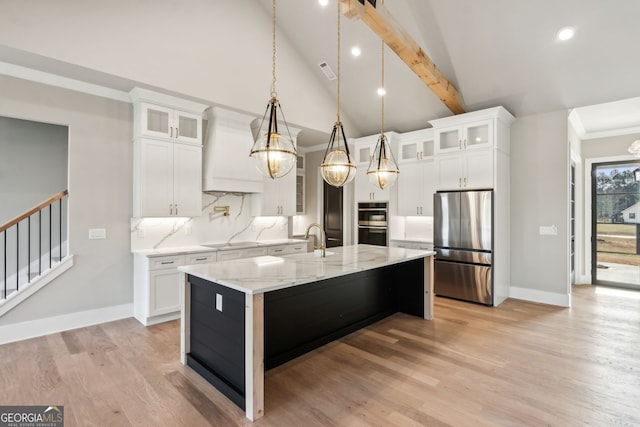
<point x="373" y="223"/>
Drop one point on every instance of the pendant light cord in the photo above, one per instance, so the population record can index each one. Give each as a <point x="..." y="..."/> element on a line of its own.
<point x="273" y="45"/>
<point x="338" y="109"/>
<point x="384" y="94"/>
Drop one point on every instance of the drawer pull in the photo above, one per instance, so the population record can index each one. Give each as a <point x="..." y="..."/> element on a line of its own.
<point x="201" y="259"/>
<point x="167" y="262"/>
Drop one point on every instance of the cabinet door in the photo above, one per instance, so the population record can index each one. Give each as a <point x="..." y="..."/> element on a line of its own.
<point x="428" y="187"/>
<point x="156" y="121"/>
<point x="164" y="292"/>
<point x="479" y="169"/>
<point x="411" y="151"/>
<point x="156" y="178"/>
<point x="448" y="139"/>
<point x="478" y="135"/>
<point x="300" y="193"/>
<point x="410" y="190"/>
<point x="449" y="171"/>
<point x="367" y="192"/>
<point x="187" y="127"/>
<point x="187" y="180"/>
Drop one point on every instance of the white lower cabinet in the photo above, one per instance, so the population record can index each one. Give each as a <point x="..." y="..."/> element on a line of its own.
<point x="156" y="287"/>
<point x="297" y="248"/>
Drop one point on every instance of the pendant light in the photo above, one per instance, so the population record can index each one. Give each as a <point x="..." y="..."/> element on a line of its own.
<point x="337" y="167"/>
<point x="383" y="170"/>
<point x="634" y="148"/>
<point x="274" y="152"/>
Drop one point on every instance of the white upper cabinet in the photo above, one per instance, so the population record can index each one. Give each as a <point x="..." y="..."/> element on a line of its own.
<point x="416" y="146"/>
<point x="364" y="147"/>
<point x="167" y="155"/>
<point x="162" y="116"/>
<point x="466" y="146"/>
<point x="162" y="122"/>
<point x="465" y="137"/>
<point x="416" y="180"/>
<point x="167" y="179"/>
<point x="279" y="195"/>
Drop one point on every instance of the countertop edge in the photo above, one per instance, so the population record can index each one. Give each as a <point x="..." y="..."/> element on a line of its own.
<point x="417" y="254"/>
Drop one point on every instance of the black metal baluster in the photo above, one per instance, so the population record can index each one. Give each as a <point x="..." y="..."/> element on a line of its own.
<point x="17" y="255"/>
<point x="40" y="242"/>
<point x="50" y="234"/>
<point x="5" y="264"/>
<point x="60" y="230"/>
<point x="29" y="249"/>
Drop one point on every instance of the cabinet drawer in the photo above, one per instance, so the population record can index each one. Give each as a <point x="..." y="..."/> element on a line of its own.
<point x="201" y="258"/>
<point x="227" y="255"/>
<point x="164" y="262"/>
<point x="246" y="253"/>
<point x="298" y="248"/>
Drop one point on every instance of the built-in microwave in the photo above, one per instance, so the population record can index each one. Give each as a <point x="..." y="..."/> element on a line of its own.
<point x="373" y="223"/>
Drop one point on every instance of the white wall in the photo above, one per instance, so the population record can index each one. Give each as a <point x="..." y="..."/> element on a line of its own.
<point x="539" y="197"/>
<point x="131" y="39"/>
<point x="33" y="164"/>
<point x="100" y="183"/>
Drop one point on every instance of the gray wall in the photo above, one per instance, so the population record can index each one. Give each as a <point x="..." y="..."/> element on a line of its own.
<point x="100" y="177"/>
<point x="539" y="196"/>
<point x="607" y="147"/>
<point x="33" y="164"/>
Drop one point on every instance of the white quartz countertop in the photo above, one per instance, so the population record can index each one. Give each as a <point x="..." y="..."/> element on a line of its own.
<point x="267" y="273"/>
<point x="215" y="246"/>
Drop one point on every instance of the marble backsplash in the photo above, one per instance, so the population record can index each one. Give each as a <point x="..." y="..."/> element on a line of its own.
<point x="210" y="227"/>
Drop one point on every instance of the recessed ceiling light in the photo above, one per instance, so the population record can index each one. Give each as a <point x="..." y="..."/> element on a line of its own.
<point x="566" y="33"/>
<point x="382" y="91"/>
<point x="323" y="2"/>
<point x="355" y="51"/>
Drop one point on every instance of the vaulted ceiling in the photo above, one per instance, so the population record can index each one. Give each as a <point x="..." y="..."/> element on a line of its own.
<point x="495" y="52"/>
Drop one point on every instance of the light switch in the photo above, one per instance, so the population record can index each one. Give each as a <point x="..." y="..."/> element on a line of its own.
<point x="97" y="233"/>
<point x="548" y="230"/>
<point x="218" y="302"/>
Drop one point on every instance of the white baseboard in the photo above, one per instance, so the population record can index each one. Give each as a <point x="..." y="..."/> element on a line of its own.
<point x="50" y="325"/>
<point x="544" y="297"/>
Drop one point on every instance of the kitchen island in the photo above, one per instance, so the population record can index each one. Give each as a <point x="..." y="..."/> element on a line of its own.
<point x="242" y="317"/>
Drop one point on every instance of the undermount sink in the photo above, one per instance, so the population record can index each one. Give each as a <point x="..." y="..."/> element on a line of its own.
<point x="241" y="244"/>
<point x="318" y="252"/>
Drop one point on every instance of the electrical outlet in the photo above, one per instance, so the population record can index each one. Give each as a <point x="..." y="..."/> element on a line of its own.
<point x="548" y="230"/>
<point x="140" y="232"/>
<point x="97" y="233"/>
<point x="218" y="302"/>
<point x="187" y="228"/>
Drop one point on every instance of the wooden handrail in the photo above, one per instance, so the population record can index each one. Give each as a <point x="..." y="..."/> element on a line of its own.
<point x="31" y="211"/>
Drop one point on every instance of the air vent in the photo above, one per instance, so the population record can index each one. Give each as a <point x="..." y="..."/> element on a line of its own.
<point x="327" y="71"/>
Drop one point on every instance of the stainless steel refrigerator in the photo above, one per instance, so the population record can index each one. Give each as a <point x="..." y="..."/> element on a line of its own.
<point x="463" y="242"/>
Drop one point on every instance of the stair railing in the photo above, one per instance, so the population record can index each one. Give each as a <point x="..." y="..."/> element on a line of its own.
<point x="46" y="227"/>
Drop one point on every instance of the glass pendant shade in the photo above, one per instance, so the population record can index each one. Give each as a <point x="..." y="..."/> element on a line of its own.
<point x="634" y="148"/>
<point x="337" y="167"/>
<point x="383" y="170"/>
<point x="274" y="152"/>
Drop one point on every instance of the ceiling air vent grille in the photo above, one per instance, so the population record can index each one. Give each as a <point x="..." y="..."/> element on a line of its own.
<point x="328" y="72"/>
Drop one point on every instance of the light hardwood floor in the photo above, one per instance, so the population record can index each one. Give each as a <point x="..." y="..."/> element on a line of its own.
<point x="517" y="364"/>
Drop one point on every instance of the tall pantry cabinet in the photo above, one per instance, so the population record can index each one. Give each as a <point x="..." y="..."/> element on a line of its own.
<point x="472" y="153"/>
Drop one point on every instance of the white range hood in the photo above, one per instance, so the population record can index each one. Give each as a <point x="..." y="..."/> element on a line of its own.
<point x="227" y="166"/>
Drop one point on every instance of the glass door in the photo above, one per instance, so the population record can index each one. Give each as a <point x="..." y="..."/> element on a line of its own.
<point x="616" y="224"/>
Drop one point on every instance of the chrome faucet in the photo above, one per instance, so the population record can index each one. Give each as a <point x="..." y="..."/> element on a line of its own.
<point x="323" y="237"/>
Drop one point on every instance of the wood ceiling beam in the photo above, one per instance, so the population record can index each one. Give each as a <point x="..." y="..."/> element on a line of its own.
<point x="393" y="34"/>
